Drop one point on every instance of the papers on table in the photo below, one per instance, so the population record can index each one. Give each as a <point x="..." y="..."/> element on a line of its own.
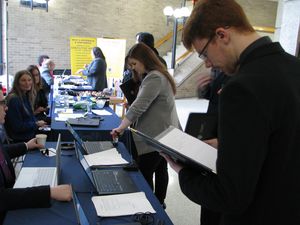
<point x="122" y="204"/>
<point x="108" y="157"/>
<point x="101" y="112"/>
<point x="64" y="116"/>
<point x="67" y="86"/>
<point x="60" y="110"/>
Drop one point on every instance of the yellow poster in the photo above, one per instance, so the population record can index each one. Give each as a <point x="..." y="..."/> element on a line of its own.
<point x="114" y="52"/>
<point x="81" y="52"/>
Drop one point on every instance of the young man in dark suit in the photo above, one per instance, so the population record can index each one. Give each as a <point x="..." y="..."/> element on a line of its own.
<point x="257" y="180"/>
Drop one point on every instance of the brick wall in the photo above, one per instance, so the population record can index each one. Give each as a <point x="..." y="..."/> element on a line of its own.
<point x="36" y="32"/>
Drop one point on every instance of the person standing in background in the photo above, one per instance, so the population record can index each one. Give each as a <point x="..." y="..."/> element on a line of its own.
<point x="46" y="72"/>
<point x="41" y="59"/>
<point x="96" y="70"/>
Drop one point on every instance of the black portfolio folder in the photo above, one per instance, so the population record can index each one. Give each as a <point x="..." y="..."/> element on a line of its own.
<point x="130" y="89"/>
<point x="202" y="156"/>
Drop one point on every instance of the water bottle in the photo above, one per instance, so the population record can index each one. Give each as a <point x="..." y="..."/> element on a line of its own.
<point x="66" y="100"/>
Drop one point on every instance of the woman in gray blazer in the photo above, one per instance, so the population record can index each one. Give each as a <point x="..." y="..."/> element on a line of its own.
<point x="153" y="111"/>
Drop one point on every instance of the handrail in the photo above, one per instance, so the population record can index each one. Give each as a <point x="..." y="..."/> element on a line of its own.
<point x="180" y="27"/>
<point x="264" y="29"/>
<point x="183" y="55"/>
<point x="167" y="37"/>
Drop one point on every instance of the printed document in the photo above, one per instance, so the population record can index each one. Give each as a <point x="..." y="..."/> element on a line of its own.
<point x="108" y="157"/>
<point x="101" y="112"/>
<point x="122" y="204"/>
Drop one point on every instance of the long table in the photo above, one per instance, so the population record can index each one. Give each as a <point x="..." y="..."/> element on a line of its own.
<point x="63" y="212"/>
<point x="100" y="133"/>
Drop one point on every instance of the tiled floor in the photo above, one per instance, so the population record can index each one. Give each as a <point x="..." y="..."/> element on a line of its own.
<point x="180" y="209"/>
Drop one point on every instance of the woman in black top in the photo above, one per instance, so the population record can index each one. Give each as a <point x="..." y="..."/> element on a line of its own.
<point x="40" y="106"/>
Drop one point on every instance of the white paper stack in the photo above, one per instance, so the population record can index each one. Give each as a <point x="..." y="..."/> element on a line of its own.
<point x="105" y="158"/>
<point x="101" y="112"/>
<point x="122" y="204"/>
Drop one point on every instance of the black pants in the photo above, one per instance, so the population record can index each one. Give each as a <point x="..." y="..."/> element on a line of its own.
<point x="151" y="163"/>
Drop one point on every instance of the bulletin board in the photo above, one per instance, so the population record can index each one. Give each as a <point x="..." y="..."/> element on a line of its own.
<point x="81" y="52"/>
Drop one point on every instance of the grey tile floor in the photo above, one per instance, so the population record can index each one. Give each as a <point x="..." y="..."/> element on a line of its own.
<point x="180" y="209"/>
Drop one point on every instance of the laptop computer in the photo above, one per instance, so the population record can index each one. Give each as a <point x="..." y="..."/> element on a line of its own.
<point x="182" y="147"/>
<point x="82" y="121"/>
<point x="90" y="147"/>
<point x="106" y="181"/>
<point x="80" y="215"/>
<point x="37" y="176"/>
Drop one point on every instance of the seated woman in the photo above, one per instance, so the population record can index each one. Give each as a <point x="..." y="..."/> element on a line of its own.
<point x="21" y="125"/>
<point x="153" y="111"/>
<point x="32" y="197"/>
<point x="40" y="106"/>
<point x="96" y="71"/>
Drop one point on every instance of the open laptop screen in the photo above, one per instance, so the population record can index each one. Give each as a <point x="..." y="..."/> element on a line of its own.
<point x="80" y="215"/>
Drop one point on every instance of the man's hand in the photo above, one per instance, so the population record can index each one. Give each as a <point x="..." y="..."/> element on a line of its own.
<point x="213" y="142"/>
<point x="175" y="166"/>
<point x="61" y="192"/>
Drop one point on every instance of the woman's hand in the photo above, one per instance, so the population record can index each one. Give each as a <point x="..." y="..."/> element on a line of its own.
<point x="41" y="123"/>
<point x="39" y="110"/>
<point x="32" y="144"/>
<point x="116" y="133"/>
<point x="79" y="71"/>
<point x="61" y="192"/>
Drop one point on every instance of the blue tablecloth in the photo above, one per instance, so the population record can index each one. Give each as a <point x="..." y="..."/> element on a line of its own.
<point x="100" y="133"/>
<point x="62" y="213"/>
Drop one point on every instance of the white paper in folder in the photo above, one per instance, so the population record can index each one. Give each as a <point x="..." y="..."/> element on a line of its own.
<point x="189" y="146"/>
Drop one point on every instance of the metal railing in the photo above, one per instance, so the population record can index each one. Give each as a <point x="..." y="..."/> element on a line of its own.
<point x="169" y="35"/>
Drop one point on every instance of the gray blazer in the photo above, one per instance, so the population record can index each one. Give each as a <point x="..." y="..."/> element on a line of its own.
<point x="154" y="109"/>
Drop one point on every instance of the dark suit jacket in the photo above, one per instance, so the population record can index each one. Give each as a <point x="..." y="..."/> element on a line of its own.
<point x="258" y="179"/>
<point x="96" y="74"/>
<point x="11" y="199"/>
<point x="19" y="120"/>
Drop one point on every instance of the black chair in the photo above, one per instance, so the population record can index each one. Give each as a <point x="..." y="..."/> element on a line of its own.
<point x="202" y="125"/>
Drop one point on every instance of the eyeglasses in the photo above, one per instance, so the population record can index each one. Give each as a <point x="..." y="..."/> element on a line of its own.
<point x="3" y="102"/>
<point x="203" y="54"/>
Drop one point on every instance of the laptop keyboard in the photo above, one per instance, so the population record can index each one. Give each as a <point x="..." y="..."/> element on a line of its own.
<point x="44" y="176"/>
<point x="97" y="146"/>
<point x="113" y="182"/>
